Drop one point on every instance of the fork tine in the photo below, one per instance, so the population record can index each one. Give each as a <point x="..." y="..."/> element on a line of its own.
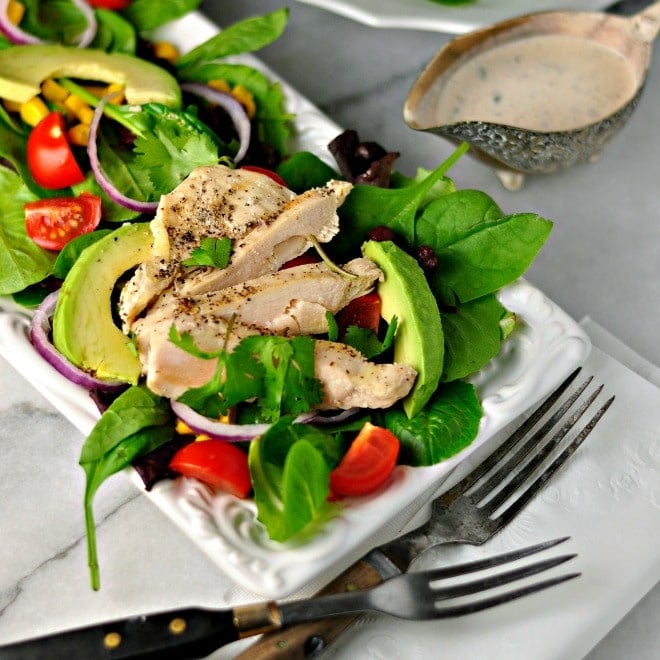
<point x="540" y="481"/>
<point x="541" y="455"/>
<point x="515" y="437"/>
<point x="493" y="601"/>
<point x="491" y="562"/>
<point x="497" y="580"/>
<point x="505" y="468"/>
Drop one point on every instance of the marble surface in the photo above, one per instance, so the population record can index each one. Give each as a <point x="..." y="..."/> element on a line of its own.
<point x="602" y="260"/>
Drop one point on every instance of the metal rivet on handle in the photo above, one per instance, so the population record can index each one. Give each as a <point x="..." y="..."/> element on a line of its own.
<point x="112" y="640"/>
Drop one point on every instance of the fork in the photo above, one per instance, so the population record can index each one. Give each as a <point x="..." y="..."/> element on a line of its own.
<point x="471" y="512"/>
<point x="196" y="632"/>
<point x="494" y="492"/>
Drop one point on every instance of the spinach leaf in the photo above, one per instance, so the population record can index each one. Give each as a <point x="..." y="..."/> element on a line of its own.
<point x="136" y="423"/>
<point x="473" y="336"/>
<point x="245" y="36"/>
<point x="58" y="21"/>
<point x="290" y="466"/>
<point x="442" y="186"/>
<point x="368" y="207"/>
<point x="304" y="170"/>
<point x="114" y="33"/>
<point x="149" y="14"/>
<point x="448" y="423"/>
<point x="22" y="261"/>
<point x="479" y="249"/>
<point x="272" y="122"/>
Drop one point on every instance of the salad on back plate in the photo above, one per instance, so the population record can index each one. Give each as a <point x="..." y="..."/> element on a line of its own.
<point x="243" y="314"/>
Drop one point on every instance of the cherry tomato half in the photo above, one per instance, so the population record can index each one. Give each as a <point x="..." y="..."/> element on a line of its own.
<point x="110" y="4"/>
<point x="52" y="223"/>
<point x="301" y="260"/>
<point x="363" y="312"/>
<point x="217" y="463"/>
<point x="50" y="159"/>
<point x="368" y="462"/>
<point x="269" y="173"/>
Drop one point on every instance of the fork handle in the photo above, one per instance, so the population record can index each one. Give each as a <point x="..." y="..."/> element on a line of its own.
<point x="189" y="633"/>
<point x="302" y="640"/>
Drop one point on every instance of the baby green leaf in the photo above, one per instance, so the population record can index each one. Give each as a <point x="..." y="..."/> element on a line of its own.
<point x="136" y="423"/>
<point x="213" y="252"/>
<point x="448" y="423"/>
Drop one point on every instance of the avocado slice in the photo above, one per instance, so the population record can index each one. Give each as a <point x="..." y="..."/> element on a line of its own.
<point x="84" y="329"/>
<point x="419" y="340"/>
<point x="24" y="68"/>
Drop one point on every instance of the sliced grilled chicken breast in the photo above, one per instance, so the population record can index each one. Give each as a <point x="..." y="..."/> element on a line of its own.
<point x="348" y="378"/>
<point x="267" y="223"/>
<point x="290" y="302"/>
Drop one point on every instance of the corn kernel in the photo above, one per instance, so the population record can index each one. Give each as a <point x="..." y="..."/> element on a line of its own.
<point x="97" y="90"/>
<point x="15" y="11"/>
<point x="117" y="91"/>
<point x="76" y="106"/>
<point x="220" y="85"/>
<point x="201" y="437"/>
<point x="245" y="98"/>
<point x="78" y="134"/>
<point x="33" y="111"/>
<point x="164" y="50"/>
<point x="182" y="428"/>
<point x="53" y="91"/>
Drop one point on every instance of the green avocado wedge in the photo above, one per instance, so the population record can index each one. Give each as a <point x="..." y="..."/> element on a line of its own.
<point x="24" y="68"/>
<point x="84" y="329"/>
<point x="419" y="340"/>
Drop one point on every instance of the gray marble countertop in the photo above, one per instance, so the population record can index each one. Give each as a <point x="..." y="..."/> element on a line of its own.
<point x="602" y="260"/>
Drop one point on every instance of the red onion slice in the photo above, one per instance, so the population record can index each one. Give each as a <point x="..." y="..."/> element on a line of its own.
<point x="221" y="430"/>
<point x="216" y="429"/>
<point x="103" y="181"/>
<point x="335" y="417"/>
<point x="232" y="107"/>
<point x="87" y="35"/>
<point x="40" y="329"/>
<point x="20" y="37"/>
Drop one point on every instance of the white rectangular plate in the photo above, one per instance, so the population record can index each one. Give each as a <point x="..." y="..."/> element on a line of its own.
<point x="434" y="17"/>
<point x="544" y="348"/>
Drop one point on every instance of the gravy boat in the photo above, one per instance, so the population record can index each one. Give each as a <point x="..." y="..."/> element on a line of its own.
<point x="514" y="151"/>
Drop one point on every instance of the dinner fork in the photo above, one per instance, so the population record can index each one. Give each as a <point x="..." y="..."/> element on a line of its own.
<point x="494" y="492"/>
<point x="196" y="632"/>
<point x="472" y="511"/>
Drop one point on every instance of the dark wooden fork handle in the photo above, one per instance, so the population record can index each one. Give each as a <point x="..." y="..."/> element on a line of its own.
<point x="303" y="640"/>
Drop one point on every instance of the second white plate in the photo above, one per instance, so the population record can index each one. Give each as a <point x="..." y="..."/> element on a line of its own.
<point x="434" y="17"/>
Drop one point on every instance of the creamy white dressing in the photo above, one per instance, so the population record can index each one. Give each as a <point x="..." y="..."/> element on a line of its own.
<point x="543" y="83"/>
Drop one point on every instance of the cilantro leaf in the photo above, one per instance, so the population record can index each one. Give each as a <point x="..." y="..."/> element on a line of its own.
<point x="290" y="386"/>
<point x="173" y="147"/>
<point x="211" y="252"/>
<point x="277" y="371"/>
<point x="366" y="341"/>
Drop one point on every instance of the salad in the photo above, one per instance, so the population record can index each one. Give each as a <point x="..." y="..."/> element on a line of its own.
<point x="260" y="423"/>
